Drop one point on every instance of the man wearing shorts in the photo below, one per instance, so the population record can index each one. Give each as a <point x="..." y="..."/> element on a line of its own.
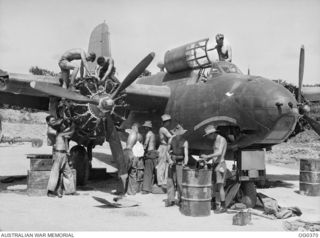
<point x="219" y="167"/>
<point x="66" y="65"/>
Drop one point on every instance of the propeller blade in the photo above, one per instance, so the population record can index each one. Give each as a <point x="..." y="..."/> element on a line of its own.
<point x="135" y="73"/>
<point x="57" y="91"/>
<point x="301" y="70"/>
<point x="314" y="124"/>
<point x="115" y="145"/>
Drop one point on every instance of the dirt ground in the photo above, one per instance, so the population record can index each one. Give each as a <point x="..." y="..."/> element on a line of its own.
<point x="20" y="212"/>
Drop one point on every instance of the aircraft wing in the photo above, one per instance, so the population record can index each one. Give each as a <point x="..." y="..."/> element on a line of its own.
<point x="147" y="97"/>
<point x="15" y="90"/>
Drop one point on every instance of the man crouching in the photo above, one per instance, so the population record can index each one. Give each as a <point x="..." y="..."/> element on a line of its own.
<point x="61" y="176"/>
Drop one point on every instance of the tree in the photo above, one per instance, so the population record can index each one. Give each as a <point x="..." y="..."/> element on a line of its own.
<point x="39" y="71"/>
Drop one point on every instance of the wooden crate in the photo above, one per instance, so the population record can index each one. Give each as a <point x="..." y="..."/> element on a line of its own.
<point x="39" y="173"/>
<point x="38" y="182"/>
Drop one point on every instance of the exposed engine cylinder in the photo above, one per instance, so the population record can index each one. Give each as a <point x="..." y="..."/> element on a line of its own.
<point x="199" y="54"/>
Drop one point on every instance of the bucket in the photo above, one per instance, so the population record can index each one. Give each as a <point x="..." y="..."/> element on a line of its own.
<point x="310" y="177"/>
<point x="196" y="192"/>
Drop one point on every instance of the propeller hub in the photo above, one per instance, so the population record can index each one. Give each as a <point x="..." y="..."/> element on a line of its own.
<point x="105" y="105"/>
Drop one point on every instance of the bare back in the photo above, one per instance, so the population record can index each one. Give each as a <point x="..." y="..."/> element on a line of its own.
<point x="150" y="141"/>
<point x="164" y="135"/>
<point x="132" y="139"/>
<point x="73" y="54"/>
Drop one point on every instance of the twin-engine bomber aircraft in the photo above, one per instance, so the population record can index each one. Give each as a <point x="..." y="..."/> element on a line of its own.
<point x="252" y="112"/>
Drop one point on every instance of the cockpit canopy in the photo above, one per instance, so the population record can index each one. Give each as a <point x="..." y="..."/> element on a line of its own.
<point x="222" y="67"/>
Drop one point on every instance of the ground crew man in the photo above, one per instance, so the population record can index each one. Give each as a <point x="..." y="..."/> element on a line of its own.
<point x="51" y="133"/>
<point x="178" y="149"/>
<point x="219" y="167"/>
<point x="61" y="176"/>
<point x="106" y="70"/>
<point x="66" y="65"/>
<point x="150" y="158"/>
<point x="165" y="135"/>
<point x="131" y="160"/>
<point x="223" y="48"/>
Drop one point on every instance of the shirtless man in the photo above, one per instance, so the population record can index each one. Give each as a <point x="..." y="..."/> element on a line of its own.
<point x="223" y="48"/>
<point x="106" y="70"/>
<point x="51" y="133"/>
<point x="219" y="167"/>
<point x="128" y="153"/>
<point x="66" y="65"/>
<point x="61" y="174"/>
<point x="165" y="135"/>
<point x="178" y="148"/>
<point x="150" y="159"/>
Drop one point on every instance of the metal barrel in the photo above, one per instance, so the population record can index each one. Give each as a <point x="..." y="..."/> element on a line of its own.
<point x="196" y="192"/>
<point x="310" y="177"/>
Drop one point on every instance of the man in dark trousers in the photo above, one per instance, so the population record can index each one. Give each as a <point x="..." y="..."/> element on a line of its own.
<point x="178" y="148"/>
<point x="219" y="167"/>
<point x="150" y="158"/>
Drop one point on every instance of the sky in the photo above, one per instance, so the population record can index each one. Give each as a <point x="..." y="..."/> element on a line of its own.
<point x="265" y="35"/>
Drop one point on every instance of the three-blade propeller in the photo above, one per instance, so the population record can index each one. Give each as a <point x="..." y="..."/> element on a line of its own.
<point x="104" y="103"/>
<point x="314" y="125"/>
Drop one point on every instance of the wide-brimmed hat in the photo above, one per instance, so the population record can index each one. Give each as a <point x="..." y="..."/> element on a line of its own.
<point x="165" y="117"/>
<point x="147" y="124"/>
<point x="209" y="130"/>
<point x="178" y="130"/>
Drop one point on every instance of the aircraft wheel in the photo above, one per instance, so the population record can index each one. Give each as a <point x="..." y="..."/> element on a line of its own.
<point x="248" y="194"/>
<point x="80" y="162"/>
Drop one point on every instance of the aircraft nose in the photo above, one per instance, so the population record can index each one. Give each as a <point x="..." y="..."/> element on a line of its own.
<point x="270" y="96"/>
<point x="275" y="109"/>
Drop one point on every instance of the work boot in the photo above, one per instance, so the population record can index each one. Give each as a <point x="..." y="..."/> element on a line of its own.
<point x="51" y="194"/>
<point x="220" y="210"/>
<point x="169" y="203"/>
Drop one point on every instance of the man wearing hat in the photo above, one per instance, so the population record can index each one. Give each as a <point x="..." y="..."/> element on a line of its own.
<point x="223" y="48"/>
<point x="165" y="135"/>
<point x="219" y="167"/>
<point x="178" y="148"/>
<point x="150" y="158"/>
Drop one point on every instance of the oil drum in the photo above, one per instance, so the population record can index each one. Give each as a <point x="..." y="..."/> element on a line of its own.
<point x="310" y="177"/>
<point x="196" y="192"/>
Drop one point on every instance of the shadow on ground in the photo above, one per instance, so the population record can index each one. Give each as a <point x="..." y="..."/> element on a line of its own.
<point x="15" y="184"/>
<point x="278" y="180"/>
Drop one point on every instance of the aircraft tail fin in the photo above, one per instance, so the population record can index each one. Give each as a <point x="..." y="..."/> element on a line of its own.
<point x="99" y="43"/>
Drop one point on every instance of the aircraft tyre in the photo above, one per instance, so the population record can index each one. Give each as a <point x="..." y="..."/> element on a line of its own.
<point x="80" y="162"/>
<point x="248" y="194"/>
